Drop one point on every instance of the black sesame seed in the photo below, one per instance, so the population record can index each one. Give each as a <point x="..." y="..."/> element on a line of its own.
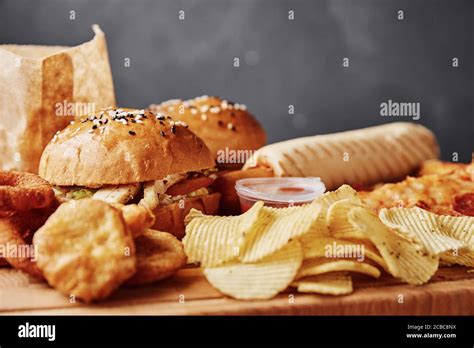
<point x="133" y="121"/>
<point x="144" y="116"/>
<point x="106" y="121"/>
<point x="162" y="133"/>
<point x="132" y="133"/>
<point x="162" y="123"/>
<point x="94" y="126"/>
<point x="220" y="123"/>
<point x="173" y="129"/>
<point x="169" y="117"/>
<point x="161" y="118"/>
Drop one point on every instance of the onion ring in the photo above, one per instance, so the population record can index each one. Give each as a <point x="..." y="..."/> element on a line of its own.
<point x="23" y="191"/>
<point x="17" y="231"/>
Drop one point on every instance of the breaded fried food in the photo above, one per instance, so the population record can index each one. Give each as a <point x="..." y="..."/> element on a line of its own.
<point x="159" y="256"/>
<point x="18" y="231"/>
<point x="137" y="217"/>
<point x="85" y="249"/>
<point x="22" y="192"/>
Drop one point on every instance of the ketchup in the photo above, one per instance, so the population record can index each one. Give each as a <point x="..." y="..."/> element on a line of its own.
<point x="278" y="192"/>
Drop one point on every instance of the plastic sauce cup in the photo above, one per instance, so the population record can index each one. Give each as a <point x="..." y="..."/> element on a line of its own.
<point x="278" y="192"/>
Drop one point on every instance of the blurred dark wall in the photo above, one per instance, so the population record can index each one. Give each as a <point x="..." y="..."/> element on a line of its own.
<point x="282" y="62"/>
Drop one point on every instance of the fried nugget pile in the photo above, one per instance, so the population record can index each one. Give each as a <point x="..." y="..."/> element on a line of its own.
<point x="86" y="248"/>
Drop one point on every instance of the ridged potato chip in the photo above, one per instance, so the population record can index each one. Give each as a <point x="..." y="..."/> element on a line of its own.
<point x="423" y="227"/>
<point x="321" y="265"/>
<point x="338" y="220"/>
<point x="336" y="283"/>
<point x="459" y="227"/>
<point x="214" y="240"/>
<point x="405" y="259"/>
<point x="345" y="192"/>
<point x="320" y="228"/>
<point x="260" y="280"/>
<point x="275" y="228"/>
<point x="319" y="247"/>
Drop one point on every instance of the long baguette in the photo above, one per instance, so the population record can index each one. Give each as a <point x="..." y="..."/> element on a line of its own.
<point x="363" y="157"/>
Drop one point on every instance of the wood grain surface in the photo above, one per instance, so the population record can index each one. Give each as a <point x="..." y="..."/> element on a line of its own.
<point x="450" y="292"/>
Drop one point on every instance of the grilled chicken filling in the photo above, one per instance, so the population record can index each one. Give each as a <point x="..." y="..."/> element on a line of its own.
<point x="165" y="191"/>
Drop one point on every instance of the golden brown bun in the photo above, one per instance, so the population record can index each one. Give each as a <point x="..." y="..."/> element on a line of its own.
<point x="122" y="153"/>
<point x="170" y="218"/>
<point x="220" y="123"/>
<point x="225" y="185"/>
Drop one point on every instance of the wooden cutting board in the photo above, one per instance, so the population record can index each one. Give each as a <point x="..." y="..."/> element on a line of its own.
<point x="450" y="292"/>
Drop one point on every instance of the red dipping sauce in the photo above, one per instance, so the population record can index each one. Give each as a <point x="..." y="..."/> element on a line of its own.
<point x="278" y="192"/>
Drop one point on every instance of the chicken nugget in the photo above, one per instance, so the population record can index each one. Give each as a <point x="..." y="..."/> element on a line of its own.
<point x="85" y="249"/>
<point x="159" y="256"/>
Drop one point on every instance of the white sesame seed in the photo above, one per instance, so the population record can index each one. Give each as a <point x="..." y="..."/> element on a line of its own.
<point x="72" y="122"/>
<point x="139" y="121"/>
<point x="181" y="123"/>
<point x="90" y="131"/>
<point x="204" y="117"/>
<point x="194" y="111"/>
<point x="230" y="125"/>
<point x="215" y="109"/>
<point x="204" y="108"/>
<point x="171" y="102"/>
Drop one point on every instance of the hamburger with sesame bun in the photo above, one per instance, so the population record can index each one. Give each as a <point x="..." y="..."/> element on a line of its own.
<point x="231" y="133"/>
<point x="127" y="156"/>
<point x="228" y="129"/>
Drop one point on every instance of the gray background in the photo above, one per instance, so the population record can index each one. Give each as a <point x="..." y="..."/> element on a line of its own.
<point x="282" y="62"/>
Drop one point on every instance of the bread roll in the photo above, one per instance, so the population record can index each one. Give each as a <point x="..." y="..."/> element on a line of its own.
<point x="227" y="128"/>
<point x="359" y="157"/>
<point x="95" y="153"/>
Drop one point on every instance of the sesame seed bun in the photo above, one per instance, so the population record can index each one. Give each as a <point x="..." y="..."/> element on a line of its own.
<point x="224" y="126"/>
<point x="107" y="149"/>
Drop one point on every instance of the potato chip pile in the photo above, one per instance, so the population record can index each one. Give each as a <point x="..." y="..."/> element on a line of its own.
<point x="315" y="247"/>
